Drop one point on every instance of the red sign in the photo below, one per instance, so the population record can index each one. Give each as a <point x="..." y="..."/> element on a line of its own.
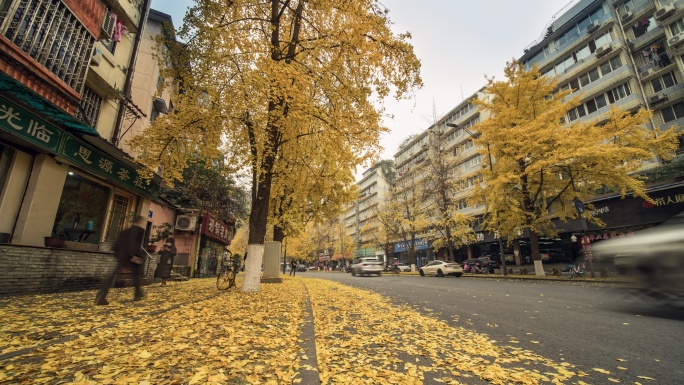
<point x="216" y="230"/>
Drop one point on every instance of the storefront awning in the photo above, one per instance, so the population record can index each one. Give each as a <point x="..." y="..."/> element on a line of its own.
<point x="39" y="105"/>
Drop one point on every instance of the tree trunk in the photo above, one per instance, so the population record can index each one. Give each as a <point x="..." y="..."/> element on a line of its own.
<point x="258" y="217"/>
<point x="536" y="257"/>
<point x="450" y="245"/>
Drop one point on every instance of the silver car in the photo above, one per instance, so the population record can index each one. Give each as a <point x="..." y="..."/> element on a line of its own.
<point x="367" y="266"/>
<point x="654" y="257"/>
<point x="441" y="268"/>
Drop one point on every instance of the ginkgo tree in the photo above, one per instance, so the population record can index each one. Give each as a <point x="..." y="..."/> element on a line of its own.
<point x="405" y="212"/>
<point x="445" y="185"/>
<point x="541" y="165"/>
<point x="258" y="76"/>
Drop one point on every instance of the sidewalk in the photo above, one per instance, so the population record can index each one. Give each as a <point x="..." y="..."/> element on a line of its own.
<point x="188" y="332"/>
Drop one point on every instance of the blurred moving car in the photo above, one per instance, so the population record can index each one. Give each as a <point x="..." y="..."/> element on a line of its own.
<point x="301" y="267"/>
<point x="367" y="266"/>
<point x="441" y="268"/>
<point x="654" y="257"/>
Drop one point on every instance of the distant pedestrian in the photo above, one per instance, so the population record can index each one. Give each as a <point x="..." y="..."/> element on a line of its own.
<point x="166" y="255"/>
<point x="293" y="267"/>
<point x="129" y="253"/>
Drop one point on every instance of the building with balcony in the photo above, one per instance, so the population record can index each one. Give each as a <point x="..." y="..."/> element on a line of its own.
<point x="361" y="218"/>
<point x="65" y="94"/>
<point x="629" y="54"/>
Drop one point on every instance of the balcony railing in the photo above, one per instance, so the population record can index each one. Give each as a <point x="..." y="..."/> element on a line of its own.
<point x="48" y="32"/>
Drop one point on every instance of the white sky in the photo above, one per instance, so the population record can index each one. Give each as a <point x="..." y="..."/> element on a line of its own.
<point x="457" y="41"/>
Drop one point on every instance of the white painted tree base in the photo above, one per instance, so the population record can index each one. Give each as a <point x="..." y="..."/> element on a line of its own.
<point x="539" y="268"/>
<point x="252" y="280"/>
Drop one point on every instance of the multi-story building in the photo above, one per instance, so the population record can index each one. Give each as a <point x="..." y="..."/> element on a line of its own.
<point x="449" y="137"/>
<point x="360" y="219"/>
<point x="65" y="95"/>
<point x="628" y="54"/>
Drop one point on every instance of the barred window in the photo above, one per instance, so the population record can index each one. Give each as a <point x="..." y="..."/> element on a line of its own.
<point x="49" y="33"/>
<point x="90" y="107"/>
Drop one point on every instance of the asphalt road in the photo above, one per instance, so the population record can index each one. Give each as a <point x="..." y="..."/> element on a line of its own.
<point x="589" y="325"/>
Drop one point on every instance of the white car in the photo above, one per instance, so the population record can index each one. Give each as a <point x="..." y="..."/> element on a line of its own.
<point x="404" y="267"/>
<point x="441" y="268"/>
<point x="367" y="266"/>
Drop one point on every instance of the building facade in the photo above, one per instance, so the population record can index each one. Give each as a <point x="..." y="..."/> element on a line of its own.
<point x="65" y="78"/>
<point x="361" y="218"/>
<point x="627" y="54"/>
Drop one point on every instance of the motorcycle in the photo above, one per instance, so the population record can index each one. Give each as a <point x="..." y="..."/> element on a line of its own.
<point x="479" y="269"/>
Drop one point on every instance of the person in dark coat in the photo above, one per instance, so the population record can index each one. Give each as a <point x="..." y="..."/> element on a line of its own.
<point x="166" y="255"/>
<point x="129" y="253"/>
<point x="293" y="267"/>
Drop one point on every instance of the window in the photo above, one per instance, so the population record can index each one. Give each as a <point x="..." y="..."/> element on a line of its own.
<point x="90" y="107"/>
<point x="83" y="202"/>
<point x="600" y="101"/>
<point x="677" y="27"/>
<point x="117" y="217"/>
<point x="49" y="33"/>
<point x="644" y="25"/>
<point x="675" y="111"/>
<point x="591" y="106"/>
<point x="594" y="75"/>
<point x="663" y="82"/>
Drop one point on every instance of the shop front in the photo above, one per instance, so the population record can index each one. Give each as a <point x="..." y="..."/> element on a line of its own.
<point x="424" y="254"/>
<point x="60" y="180"/>
<point x="215" y="237"/>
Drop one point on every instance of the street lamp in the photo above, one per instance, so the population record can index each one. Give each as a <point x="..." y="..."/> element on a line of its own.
<point x="489" y="154"/>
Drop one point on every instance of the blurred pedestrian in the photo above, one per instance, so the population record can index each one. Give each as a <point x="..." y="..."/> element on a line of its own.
<point x="293" y="267"/>
<point x="129" y="253"/>
<point x="166" y="255"/>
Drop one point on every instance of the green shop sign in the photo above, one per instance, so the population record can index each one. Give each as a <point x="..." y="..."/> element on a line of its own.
<point x="94" y="160"/>
<point x="18" y="121"/>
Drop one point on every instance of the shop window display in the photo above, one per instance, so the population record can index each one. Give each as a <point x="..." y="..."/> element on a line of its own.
<point x="82" y="209"/>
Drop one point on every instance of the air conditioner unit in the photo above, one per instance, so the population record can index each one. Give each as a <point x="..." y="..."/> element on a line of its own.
<point x="186" y="222"/>
<point x="676" y="40"/>
<point x="604" y="50"/>
<point x="628" y="15"/>
<point x="593" y="26"/>
<point x="664" y="12"/>
<point x="108" y="25"/>
<point x="657" y="98"/>
<point x="648" y="72"/>
<point x="96" y="58"/>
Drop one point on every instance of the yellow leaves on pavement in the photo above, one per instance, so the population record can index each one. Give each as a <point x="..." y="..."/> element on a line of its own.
<point x="237" y="338"/>
<point x="228" y="338"/>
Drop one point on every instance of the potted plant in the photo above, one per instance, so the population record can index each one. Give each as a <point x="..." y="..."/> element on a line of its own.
<point x="160" y="233"/>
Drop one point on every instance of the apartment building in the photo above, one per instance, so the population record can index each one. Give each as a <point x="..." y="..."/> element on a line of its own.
<point x="451" y="137"/>
<point x="629" y="54"/>
<point x="360" y="219"/>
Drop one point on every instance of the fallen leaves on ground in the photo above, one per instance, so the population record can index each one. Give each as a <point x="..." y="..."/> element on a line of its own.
<point x="190" y="333"/>
<point x="232" y="337"/>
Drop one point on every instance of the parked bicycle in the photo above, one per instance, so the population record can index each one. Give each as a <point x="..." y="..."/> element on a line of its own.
<point x="226" y="277"/>
<point x="578" y="269"/>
